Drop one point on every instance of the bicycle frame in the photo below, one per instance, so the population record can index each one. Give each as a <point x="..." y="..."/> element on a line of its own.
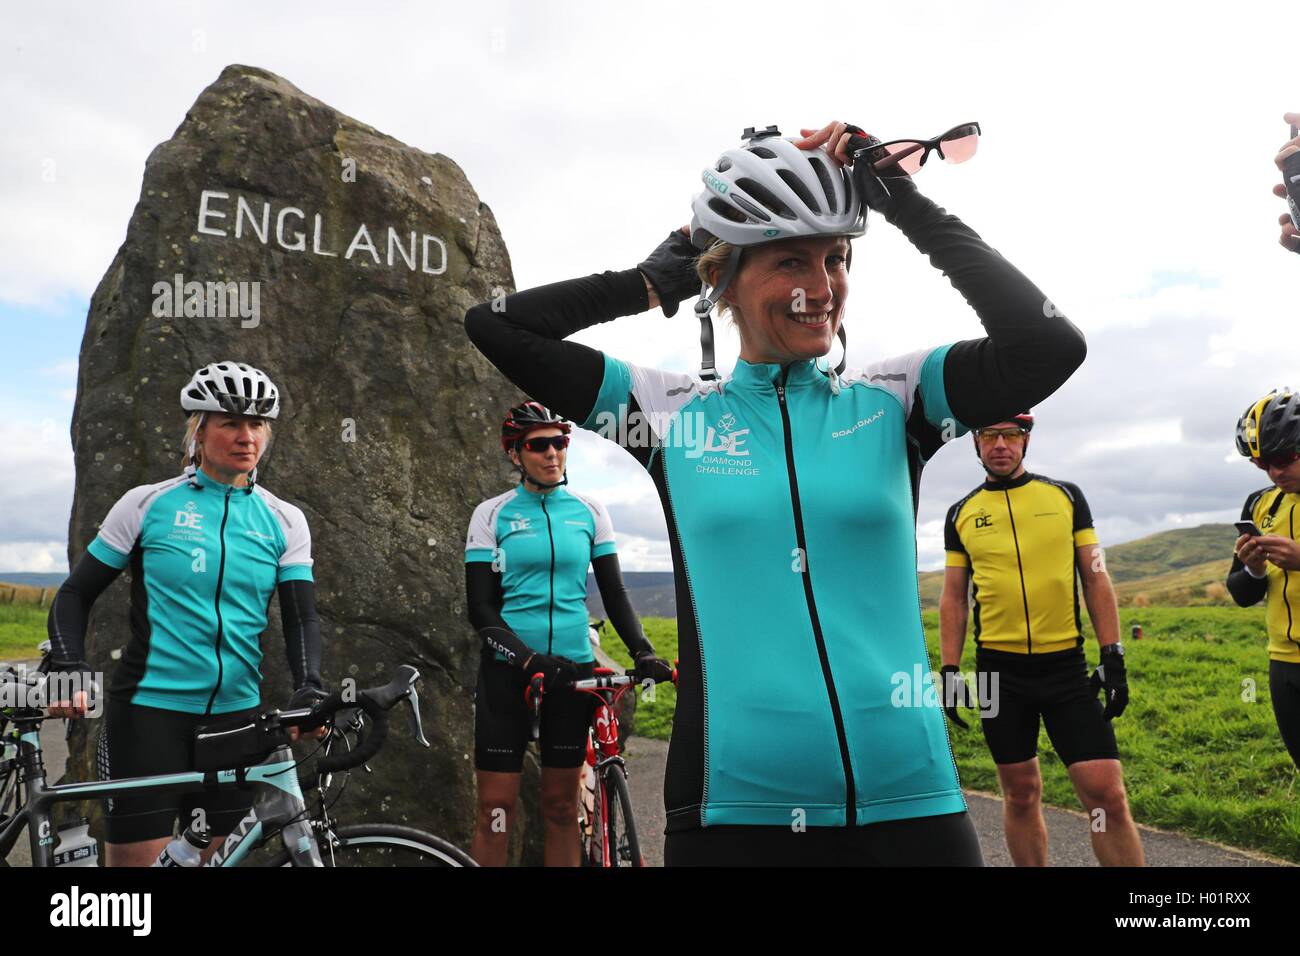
<point x="278" y="804"/>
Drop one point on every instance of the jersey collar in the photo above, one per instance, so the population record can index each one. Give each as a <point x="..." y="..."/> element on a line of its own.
<point x="767" y="375"/>
<point x="537" y="495"/>
<point x="991" y="485"/>
<point x="204" y="480"/>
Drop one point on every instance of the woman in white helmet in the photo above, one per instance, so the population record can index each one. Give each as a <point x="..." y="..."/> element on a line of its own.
<point x="801" y="734"/>
<point x="207" y="550"/>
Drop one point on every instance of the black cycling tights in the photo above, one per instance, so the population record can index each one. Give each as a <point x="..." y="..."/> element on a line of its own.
<point x="947" y="840"/>
<point x="1284" y="688"/>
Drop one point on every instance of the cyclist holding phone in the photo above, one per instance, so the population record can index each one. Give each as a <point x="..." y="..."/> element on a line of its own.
<point x="207" y="550"/>
<point x="789" y="491"/>
<point x="1267" y="565"/>
<point x="526" y="559"/>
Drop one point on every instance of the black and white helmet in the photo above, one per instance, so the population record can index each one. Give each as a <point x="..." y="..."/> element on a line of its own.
<point x="233" y="388"/>
<point x="767" y="189"/>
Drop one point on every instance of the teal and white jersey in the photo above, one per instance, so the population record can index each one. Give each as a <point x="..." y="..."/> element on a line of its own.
<point x="205" y="559"/>
<point x="542" y="545"/>
<point x="791" y="518"/>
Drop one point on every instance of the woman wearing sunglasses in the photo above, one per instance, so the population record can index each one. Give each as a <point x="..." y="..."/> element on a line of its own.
<point x="801" y="734"/>
<point x="1264" y="565"/>
<point x="526" y="559"/>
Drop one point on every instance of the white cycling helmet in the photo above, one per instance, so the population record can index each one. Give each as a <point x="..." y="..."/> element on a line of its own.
<point x="233" y="388"/>
<point x="768" y="189"/>
<point x="764" y="190"/>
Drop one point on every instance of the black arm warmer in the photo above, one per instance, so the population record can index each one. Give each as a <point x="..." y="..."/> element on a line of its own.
<point x="302" y="641"/>
<point x="525" y="340"/>
<point x="1245" y="588"/>
<point x="70" y="610"/>
<point x="1030" y="349"/>
<point x="609" y="578"/>
<point x="483" y="601"/>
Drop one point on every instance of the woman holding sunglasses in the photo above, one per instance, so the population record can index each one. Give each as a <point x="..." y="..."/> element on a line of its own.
<point x="526" y="559"/>
<point x="800" y="735"/>
<point x="1264" y="565"/>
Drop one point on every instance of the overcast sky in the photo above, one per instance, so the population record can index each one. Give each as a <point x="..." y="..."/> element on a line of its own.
<point x="1125" y="167"/>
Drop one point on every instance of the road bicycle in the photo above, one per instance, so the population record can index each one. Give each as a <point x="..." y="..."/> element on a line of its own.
<point x="307" y="837"/>
<point x="606" y="824"/>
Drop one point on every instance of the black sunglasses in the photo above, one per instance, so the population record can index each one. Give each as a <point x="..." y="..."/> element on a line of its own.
<point x="906" y="156"/>
<point x="558" y="442"/>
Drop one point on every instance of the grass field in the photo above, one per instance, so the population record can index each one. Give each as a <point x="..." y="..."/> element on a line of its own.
<point x="1201" y="750"/>
<point x="22" y="628"/>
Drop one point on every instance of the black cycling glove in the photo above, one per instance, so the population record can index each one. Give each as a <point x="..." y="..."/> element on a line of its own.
<point x="883" y="194"/>
<point x="956" y="693"/>
<point x="671" y="270"/>
<point x="556" y="671"/>
<point x="651" y="668"/>
<point x="1111" y="677"/>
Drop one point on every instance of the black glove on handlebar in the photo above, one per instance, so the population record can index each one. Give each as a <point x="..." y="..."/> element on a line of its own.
<point x="651" y="668"/>
<point x="557" y="672"/>
<point x="671" y="270"/>
<point x="306" y="696"/>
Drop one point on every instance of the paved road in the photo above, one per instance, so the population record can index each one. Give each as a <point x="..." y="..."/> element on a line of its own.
<point x="1067" y="831"/>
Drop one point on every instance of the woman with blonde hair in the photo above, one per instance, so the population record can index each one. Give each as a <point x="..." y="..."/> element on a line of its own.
<point x="207" y="549"/>
<point x="801" y="734"/>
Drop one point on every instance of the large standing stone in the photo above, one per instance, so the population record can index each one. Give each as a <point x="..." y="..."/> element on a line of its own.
<point x="363" y="254"/>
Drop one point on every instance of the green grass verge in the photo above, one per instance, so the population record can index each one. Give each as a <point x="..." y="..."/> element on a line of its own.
<point x="1201" y="750"/>
<point x="22" y="628"/>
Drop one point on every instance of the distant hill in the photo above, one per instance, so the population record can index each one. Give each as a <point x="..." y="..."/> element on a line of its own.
<point x="651" y="594"/>
<point x="32" y="580"/>
<point x="1179" y="568"/>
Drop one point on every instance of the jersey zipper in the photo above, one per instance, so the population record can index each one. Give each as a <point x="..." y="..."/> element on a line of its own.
<point x="1029" y="647"/>
<point x="850" y="788"/>
<point x="550" y="607"/>
<point x="221" y="573"/>
<point x="1286" y="577"/>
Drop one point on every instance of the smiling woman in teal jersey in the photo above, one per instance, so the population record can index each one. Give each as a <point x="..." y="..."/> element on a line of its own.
<point x="789" y="491"/>
<point x="526" y="560"/>
<point x="207" y="550"/>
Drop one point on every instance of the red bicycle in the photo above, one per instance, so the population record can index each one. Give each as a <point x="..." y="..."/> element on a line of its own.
<point x="606" y="824"/>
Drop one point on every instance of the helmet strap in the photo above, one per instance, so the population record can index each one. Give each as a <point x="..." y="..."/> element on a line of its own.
<point x="527" y="479"/>
<point x="704" y="308"/>
<point x="192" y="468"/>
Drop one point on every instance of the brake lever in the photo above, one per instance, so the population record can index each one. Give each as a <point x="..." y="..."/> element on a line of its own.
<point x="417" y="730"/>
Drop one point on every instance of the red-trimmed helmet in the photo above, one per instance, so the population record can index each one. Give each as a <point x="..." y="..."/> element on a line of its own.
<point x="526" y="418"/>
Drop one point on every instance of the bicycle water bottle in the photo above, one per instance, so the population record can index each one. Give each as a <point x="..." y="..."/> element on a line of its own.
<point x="76" y="847"/>
<point x="185" y="849"/>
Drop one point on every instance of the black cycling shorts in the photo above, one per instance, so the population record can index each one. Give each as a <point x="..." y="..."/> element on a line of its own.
<point x="945" y="840"/>
<point x="1284" y="689"/>
<point x="503" y="721"/>
<point x="1052" y="686"/>
<point x="137" y="741"/>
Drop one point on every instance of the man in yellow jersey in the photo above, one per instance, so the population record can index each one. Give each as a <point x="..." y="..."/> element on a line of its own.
<point x="1019" y="542"/>
<point x="1267" y="563"/>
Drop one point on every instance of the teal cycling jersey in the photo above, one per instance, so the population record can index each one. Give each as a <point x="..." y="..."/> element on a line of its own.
<point x="205" y="559"/>
<point x="542" y="545"/>
<point x="790" y="507"/>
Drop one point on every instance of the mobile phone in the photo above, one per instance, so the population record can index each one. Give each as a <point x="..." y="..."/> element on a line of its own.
<point x="1291" y="179"/>
<point x="1247" y="527"/>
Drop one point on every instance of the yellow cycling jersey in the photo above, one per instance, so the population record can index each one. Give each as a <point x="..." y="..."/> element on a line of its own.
<point x="1273" y="512"/>
<point x="1018" y="538"/>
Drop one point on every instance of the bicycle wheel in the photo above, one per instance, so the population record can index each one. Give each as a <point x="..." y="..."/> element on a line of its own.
<point x="385" y="844"/>
<point x="620" y="827"/>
